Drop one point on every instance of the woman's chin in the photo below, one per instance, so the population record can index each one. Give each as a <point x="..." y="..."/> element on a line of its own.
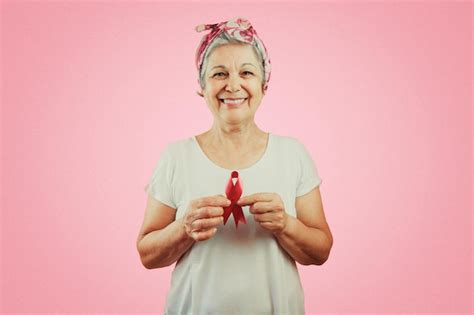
<point x="234" y="116"/>
<point x="234" y="111"/>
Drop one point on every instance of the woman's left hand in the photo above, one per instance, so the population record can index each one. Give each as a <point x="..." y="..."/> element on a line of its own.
<point x="267" y="209"/>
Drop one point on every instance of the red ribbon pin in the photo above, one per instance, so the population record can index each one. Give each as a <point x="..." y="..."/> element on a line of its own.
<point x="233" y="193"/>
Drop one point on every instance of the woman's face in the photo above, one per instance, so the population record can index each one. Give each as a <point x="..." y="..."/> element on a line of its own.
<point x="233" y="73"/>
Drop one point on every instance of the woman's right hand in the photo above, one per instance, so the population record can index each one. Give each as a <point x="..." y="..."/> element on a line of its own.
<point x="204" y="215"/>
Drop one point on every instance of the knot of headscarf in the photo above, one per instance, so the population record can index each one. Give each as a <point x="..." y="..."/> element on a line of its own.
<point x="241" y="30"/>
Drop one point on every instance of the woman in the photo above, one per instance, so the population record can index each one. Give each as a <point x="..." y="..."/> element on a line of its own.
<point x="267" y="184"/>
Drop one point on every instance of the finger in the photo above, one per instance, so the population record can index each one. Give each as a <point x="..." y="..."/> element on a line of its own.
<point x="203" y="235"/>
<point x="208" y="212"/>
<point x="250" y="199"/>
<point x="205" y="224"/>
<point x="262" y="207"/>
<point x="264" y="217"/>
<point x="217" y="200"/>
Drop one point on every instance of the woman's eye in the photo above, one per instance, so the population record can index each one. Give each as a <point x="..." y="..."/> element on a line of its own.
<point x="218" y="74"/>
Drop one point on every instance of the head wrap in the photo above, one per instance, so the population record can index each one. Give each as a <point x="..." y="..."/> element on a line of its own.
<point x="240" y="29"/>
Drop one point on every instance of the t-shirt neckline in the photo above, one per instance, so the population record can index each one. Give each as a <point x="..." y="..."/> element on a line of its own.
<point x="262" y="158"/>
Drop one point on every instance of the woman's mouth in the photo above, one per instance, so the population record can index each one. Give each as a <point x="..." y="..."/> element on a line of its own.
<point x="233" y="102"/>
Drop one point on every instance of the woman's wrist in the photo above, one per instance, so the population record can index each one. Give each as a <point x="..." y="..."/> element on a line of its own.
<point x="182" y="230"/>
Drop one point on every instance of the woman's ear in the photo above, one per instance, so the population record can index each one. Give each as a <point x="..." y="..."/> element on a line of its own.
<point x="200" y="93"/>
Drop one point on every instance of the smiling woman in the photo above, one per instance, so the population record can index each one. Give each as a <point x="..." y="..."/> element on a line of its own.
<point x="235" y="83"/>
<point x="236" y="32"/>
<point x="249" y="268"/>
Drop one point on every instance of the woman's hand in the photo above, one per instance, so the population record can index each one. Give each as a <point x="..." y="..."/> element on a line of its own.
<point x="204" y="215"/>
<point x="268" y="210"/>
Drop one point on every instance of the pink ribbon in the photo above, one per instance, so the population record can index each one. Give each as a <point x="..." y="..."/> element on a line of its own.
<point x="233" y="193"/>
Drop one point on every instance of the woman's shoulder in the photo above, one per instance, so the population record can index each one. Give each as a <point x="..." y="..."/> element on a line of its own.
<point x="182" y="141"/>
<point x="285" y="140"/>
<point x="291" y="145"/>
<point x="179" y="145"/>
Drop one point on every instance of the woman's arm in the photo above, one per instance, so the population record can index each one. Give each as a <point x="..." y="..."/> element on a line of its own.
<point x="307" y="238"/>
<point x="162" y="239"/>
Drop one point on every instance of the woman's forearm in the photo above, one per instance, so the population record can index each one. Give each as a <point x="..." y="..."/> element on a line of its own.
<point x="307" y="245"/>
<point x="162" y="248"/>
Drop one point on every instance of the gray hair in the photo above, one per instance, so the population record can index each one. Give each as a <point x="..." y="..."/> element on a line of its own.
<point x="221" y="40"/>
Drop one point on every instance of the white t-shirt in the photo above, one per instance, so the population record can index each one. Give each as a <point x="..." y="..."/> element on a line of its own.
<point x="240" y="270"/>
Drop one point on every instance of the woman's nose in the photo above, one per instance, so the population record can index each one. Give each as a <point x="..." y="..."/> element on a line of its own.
<point x="233" y="84"/>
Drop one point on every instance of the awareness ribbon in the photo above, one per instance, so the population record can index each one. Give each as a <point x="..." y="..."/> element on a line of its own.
<point x="233" y="193"/>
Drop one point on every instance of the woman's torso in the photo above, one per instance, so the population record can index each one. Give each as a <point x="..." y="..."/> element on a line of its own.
<point x="240" y="270"/>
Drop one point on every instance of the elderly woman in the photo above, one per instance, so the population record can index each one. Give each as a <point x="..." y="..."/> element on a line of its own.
<point x="266" y="184"/>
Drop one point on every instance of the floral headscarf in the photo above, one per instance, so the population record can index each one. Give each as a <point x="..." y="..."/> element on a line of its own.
<point x="240" y="29"/>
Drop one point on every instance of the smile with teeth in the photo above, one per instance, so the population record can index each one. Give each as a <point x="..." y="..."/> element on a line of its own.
<point x="233" y="102"/>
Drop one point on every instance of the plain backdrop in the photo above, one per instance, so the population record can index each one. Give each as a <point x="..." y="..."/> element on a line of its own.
<point x="378" y="92"/>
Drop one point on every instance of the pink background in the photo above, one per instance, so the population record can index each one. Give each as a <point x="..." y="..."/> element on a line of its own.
<point x="380" y="94"/>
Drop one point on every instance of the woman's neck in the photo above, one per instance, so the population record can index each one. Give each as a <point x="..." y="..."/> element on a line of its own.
<point x="234" y="137"/>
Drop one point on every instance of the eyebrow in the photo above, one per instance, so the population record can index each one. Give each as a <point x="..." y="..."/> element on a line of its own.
<point x="221" y="66"/>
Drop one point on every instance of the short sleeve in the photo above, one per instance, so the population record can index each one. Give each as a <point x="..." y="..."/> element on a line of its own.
<point x="308" y="176"/>
<point x="160" y="184"/>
